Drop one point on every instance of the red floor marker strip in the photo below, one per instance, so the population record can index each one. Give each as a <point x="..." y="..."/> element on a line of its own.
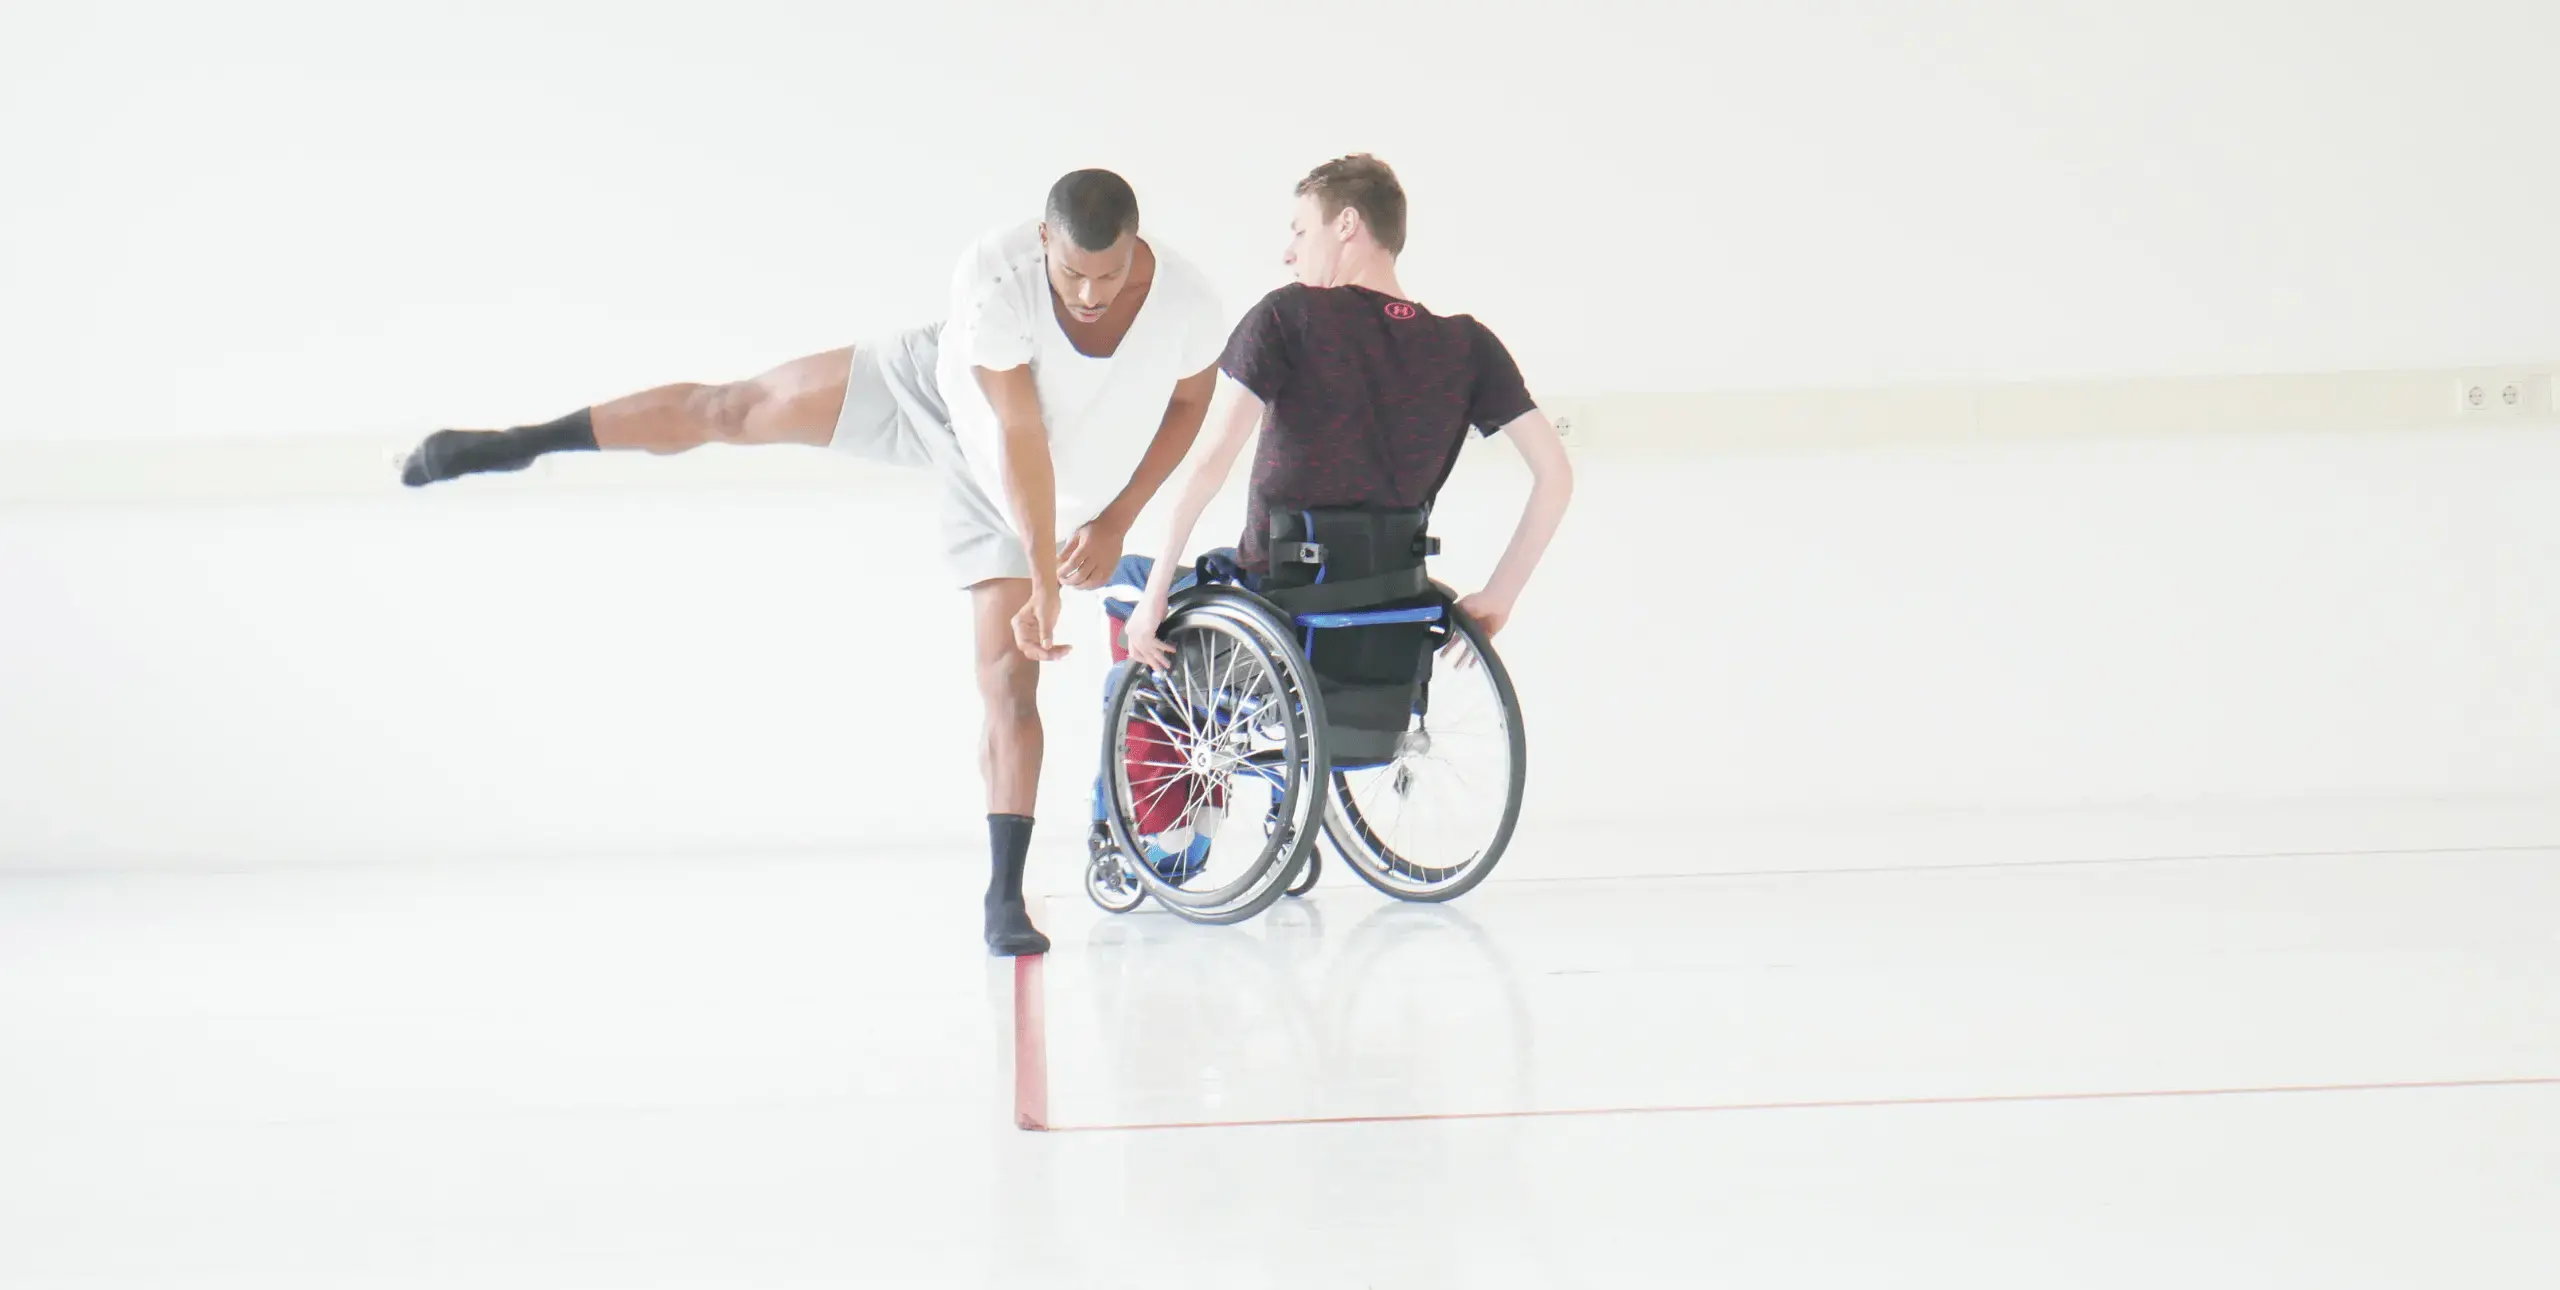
<point x="1030" y="1046"/>
<point x="1713" y="1108"/>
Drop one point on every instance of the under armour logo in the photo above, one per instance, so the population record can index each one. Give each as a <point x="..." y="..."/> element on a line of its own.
<point x="1401" y="312"/>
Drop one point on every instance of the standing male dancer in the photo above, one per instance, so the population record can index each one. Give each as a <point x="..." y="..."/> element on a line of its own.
<point x="1068" y="378"/>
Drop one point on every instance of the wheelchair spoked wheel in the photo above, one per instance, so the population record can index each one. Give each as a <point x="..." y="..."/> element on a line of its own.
<point x="1432" y="823"/>
<point x="1215" y="767"/>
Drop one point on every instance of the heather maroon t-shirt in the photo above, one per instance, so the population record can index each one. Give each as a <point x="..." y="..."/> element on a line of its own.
<point x="1369" y="399"/>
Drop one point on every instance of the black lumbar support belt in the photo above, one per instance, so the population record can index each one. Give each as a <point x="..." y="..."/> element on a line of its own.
<point x="1330" y="560"/>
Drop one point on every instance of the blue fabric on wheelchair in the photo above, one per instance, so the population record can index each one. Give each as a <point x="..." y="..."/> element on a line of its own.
<point x="1372" y="617"/>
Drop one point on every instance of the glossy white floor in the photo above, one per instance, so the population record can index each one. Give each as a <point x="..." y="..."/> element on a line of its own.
<point x="282" y="1004"/>
<point x="727" y="1071"/>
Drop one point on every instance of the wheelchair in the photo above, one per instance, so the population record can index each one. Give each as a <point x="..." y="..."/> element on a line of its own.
<point x="1341" y="703"/>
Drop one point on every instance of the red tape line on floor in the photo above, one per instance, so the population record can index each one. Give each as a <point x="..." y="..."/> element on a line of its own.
<point x="1714" y="1108"/>
<point x="1030" y="1046"/>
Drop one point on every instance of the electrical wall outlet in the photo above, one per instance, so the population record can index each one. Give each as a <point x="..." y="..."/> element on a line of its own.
<point x="1567" y="427"/>
<point x="2494" y="394"/>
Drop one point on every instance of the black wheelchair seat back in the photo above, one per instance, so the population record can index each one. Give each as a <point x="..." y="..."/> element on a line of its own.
<point x="1356" y="582"/>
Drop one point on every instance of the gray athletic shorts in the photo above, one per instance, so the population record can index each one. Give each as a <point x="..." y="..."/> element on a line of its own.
<point x="894" y="413"/>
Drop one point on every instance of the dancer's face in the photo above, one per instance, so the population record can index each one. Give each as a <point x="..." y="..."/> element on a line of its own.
<point x="1314" y="256"/>
<point x="1088" y="281"/>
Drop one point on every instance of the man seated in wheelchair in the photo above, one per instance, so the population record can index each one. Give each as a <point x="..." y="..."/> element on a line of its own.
<point x="1361" y="399"/>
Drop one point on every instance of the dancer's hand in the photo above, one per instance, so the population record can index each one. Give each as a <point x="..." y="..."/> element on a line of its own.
<point x="1144" y="619"/>
<point x="1092" y="553"/>
<point x="1490" y="609"/>
<point x="1490" y="612"/>
<point x="1035" y="626"/>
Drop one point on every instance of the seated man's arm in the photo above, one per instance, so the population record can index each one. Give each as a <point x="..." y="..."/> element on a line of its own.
<point x="1500" y="401"/>
<point x="1550" y="492"/>
<point x="1239" y="415"/>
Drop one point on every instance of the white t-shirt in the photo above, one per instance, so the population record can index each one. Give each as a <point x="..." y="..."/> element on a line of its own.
<point x="1101" y="413"/>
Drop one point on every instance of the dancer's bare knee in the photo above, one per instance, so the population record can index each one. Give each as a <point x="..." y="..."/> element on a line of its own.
<point x="1010" y="687"/>
<point x="726" y="413"/>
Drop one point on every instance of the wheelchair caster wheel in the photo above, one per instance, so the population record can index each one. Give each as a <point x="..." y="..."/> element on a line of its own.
<point x="1108" y="882"/>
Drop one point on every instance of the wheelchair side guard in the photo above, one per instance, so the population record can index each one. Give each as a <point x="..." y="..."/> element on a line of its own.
<point x="1313" y="623"/>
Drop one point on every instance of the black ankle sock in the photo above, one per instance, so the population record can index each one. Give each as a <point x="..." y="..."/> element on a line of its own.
<point x="575" y="432"/>
<point x="1009" y="929"/>
<point x="448" y="454"/>
<point x="1009" y="839"/>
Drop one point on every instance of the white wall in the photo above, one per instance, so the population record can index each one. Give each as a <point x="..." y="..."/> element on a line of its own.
<point x="267" y="217"/>
<point x="1883" y="648"/>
